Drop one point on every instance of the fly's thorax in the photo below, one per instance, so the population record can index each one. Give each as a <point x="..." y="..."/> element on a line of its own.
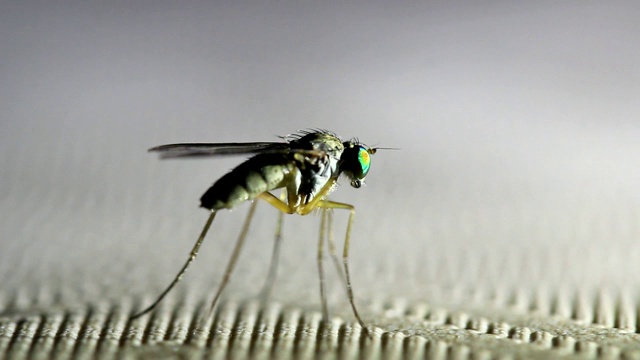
<point x="327" y="143"/>
<point x="261" y="173"/>
<point x="318" y="159"/>
<point x="330" y="144"/>
<point x="314" y="173"/>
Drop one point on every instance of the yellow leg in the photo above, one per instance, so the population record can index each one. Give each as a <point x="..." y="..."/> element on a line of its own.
<point x="317" y="199"/>
<point x="277" y="203"/>
<point x="319" y="202"/>
<point x="332" y="248"/>
<point x="232" y="260"/>
<point x="323" y="291"/>
<point x="192" y="256"/>
<point x="275" y="255"/>
<point x="326" y="204"/>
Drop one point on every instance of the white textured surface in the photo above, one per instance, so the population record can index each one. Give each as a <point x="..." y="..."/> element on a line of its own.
<point x="517" y="181"/>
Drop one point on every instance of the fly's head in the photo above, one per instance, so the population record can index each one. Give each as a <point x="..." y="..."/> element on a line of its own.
<point x="355" y="161"/>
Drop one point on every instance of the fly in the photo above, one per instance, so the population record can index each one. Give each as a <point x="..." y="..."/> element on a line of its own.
<point x="306" y="166"/>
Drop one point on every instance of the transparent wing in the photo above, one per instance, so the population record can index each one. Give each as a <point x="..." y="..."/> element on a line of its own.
<point x="215" y="149"/>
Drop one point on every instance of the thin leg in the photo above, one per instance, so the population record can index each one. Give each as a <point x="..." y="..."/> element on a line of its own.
<point x="326" y="204"/>
<point x="323" y="291"/>
<point x="234" y="257"/>
<point x="194" y="253"/>
<point x="277" y="203"/>
<point x="332" y="248"/>
<point x="345" y="255"/>
<point x="275" y="256"/>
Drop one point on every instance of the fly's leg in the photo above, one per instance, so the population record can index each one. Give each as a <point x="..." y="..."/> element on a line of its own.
<point x="332" y="247"/>
<point x="192" y="256"/>
<point x="234" y="257"/>
<point x="275" y="256"/>
<point x="326" y="204"/>
<point x="323" y="291"/>
<point x="276" y="203"/>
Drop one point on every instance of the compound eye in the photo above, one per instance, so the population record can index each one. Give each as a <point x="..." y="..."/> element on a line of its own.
<point x="356" y="183"/>
<point x="365" y="160"/>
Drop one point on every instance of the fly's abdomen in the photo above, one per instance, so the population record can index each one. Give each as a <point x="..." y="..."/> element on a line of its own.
<point x="261" y="173"/>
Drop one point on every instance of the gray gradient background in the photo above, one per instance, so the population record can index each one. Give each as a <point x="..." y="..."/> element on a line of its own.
<point x="518" y="127"/>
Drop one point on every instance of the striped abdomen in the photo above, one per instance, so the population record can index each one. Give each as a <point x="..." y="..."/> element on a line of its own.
<point x="263" y="172"/>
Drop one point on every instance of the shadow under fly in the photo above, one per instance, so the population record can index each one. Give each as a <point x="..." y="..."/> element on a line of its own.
<point x="306" y="166"/>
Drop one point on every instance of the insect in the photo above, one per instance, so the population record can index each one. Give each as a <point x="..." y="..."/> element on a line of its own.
<point x="306" y="166"/>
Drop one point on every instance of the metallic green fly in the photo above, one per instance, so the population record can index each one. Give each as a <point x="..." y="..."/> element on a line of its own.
<point x="306" y="166"/>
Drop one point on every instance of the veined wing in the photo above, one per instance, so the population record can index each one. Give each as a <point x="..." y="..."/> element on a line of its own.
<point x="215" y="149"/>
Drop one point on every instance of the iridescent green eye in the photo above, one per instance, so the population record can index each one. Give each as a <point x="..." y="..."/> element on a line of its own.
<point x="355" y="162"/>
<point x="364" y="160"/>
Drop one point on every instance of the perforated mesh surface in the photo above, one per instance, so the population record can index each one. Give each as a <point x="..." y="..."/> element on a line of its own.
<point x="506" y="226"/>
<point x="588" y="328"/>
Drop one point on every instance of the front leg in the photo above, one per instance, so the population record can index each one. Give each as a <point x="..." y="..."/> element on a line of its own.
<point x="326" y="204"/>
